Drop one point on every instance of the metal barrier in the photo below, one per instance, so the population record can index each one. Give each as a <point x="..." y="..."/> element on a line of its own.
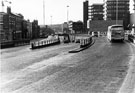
<point x="131" y="38"/>
<point x="44" y="43"/>
<point x="85" y="42"/>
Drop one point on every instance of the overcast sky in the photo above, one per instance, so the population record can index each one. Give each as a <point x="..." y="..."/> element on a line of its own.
<point x="33" y="9"/>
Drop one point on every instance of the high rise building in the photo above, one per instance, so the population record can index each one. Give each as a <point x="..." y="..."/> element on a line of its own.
<point x="116" y="9"/>
<point x="85" y="15"/>
<point x="96" y="12"/>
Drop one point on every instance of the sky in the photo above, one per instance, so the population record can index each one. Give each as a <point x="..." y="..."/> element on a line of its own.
<point x="55" y="10"/>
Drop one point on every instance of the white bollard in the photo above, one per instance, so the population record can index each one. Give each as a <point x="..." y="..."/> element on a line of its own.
<point x="81" y="42"/>
<point x="42" y="43"/>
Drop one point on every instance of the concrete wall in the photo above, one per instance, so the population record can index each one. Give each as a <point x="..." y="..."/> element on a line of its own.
<point x="102" y="25"/>
<point x="132" y="21"/>
<point x="132" y="18"/>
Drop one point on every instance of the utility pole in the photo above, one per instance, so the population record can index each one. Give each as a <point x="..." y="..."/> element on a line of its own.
<point x="43" y="12"/>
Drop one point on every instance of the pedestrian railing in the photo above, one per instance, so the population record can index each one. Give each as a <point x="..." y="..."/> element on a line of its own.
<point x="85" y="42"/>
<point x="44" y="43"/>
<point x="131" y="38"/>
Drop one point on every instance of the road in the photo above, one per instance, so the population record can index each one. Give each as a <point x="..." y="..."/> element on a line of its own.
<point x="101" y="68"/>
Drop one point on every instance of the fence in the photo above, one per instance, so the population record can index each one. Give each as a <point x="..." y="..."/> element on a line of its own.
<point x="85" y="42"/>
<point x="44" y="43"/>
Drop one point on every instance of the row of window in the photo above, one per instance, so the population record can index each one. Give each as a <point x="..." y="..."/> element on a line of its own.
<point x="122" y="10"/>
<point x="115" y="15"/>
<point x="118" y="6"/>
<point x="120" y="2"/>
<point x="97" y="13"/>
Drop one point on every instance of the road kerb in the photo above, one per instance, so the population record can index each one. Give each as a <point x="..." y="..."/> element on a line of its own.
<point x="80" y="49"/>
<point x="128" y="85"/>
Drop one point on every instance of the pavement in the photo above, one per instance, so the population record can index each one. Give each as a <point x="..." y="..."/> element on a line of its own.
<point x="102" y="68"/>
<point x="128" y="85"/>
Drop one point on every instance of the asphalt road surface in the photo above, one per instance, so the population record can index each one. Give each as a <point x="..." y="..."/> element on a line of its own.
<point x="102" y="68"/>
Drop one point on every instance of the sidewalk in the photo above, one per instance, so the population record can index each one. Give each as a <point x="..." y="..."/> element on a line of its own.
<point x="128" y="85"/>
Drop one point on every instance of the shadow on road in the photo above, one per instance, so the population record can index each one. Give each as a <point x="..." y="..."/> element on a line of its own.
<point x="117" y="42"/>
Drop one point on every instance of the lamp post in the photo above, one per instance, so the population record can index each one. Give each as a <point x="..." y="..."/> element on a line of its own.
<point x="43" y="12"/>
<point x="51" y="21"/>
<point x="67" y="13"/>
<point x="134" y="5"/>
<point x="67" y="18"/>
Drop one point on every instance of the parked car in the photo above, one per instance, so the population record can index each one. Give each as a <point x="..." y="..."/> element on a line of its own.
<point x="77" y="40"/>
<point x="95" y="33"/>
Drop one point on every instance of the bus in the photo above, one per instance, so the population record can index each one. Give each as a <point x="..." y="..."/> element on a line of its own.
<point x="115" y="32"/>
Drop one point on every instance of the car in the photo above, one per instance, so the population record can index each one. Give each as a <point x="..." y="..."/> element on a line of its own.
<point x="77" y="40"/>
<point x="95" y="34"/>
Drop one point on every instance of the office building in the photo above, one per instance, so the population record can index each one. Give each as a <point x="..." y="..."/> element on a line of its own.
<point x="96" y="12"/>
<point x="116" y="9"/>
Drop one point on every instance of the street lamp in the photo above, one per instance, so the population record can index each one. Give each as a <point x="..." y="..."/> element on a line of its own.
<point x="51" y="21"/>
<point x="67" y="14"/>
<point x="43" y="12"/>
<point x="134" y="5"/>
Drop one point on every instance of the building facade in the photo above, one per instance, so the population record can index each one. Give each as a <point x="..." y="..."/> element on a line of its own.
<point x="96" y="12"/>
<point x="29" y="28"/>
<point x="18" y="33"/>
<point x="2" y="32"/>
<point x="14" y="29"/>
<point x="115" y="9"/>
<point x="35" y="29"/>
<point x="76" y="27"/>
<point x="65" y="27"/>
